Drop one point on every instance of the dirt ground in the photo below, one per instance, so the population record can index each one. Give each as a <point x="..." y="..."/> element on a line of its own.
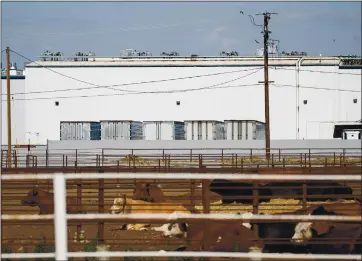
<point x="23" y="236"/>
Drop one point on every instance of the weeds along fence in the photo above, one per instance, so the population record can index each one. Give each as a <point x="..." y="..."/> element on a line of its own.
<point x="61" y="219"/>
<point x="163" y="158"/>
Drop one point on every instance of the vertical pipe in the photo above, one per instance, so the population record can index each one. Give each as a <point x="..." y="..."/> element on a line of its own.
<point x="60" y="219"/>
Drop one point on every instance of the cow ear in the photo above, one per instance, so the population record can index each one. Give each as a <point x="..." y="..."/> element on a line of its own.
<point x="321" y="227"/>
<point x="320" y="211"/>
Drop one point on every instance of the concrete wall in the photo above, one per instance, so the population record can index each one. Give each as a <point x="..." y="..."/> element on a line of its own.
<point x="18" y="107"/>
<point x="200" y="146"/>
<point x="232" y="102"/>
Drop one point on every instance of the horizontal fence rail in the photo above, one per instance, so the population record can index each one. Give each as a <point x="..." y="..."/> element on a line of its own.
<point x="210" y="157"/>
<point x="60" y="215"/>
<point x="240" y="256"/>
<point x="192" y="176"/>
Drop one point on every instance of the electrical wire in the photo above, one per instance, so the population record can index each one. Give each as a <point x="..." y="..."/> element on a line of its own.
<point x="215" y="86"/>
<point x="123" y="84"/>
<point x="315" y="88"/>
<point x="307" y="70"/>
<point x="252" y="20"/>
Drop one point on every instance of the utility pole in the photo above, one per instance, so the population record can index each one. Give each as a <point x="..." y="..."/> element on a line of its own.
<point x="266" y="82"/>
<point x="8" y="103"/>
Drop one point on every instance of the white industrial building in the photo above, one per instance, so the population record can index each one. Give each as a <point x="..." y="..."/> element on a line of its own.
<point x="309" y="94"/>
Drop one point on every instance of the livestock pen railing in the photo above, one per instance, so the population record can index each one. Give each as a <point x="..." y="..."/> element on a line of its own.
<point x="182" y="158"/>
<point x="60" y="217"/>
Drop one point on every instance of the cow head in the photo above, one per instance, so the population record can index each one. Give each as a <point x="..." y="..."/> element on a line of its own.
<point x="173" y="229"/>
<point x="33" y="198"/>
<point x="142" y="191"/>
<point x="147" y="192"/>
<point x="119" y="205"/>
<point x="307" y="230"/>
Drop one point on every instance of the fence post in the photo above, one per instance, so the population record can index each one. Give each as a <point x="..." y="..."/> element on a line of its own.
<point x="76" y="158"/>
<point x="46" y="158"/>
<point x="305" y="193"/>
<point x="15" y="159"/>
<point x="60" y="219"/>
<point x="256" y="210"/>
<point x="101" y="208"/>
<point x="206" y="210"/>
<point x="102" y="157"/>
<point x="279" y="154"/>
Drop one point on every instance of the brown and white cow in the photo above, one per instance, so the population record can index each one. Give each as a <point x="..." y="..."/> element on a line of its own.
<point x="306" y="231"/>
<point x="224" y="237"/>
<point x="180" y="229"/>
<point x="124" y="205"/>
<point x="45" y="201"/>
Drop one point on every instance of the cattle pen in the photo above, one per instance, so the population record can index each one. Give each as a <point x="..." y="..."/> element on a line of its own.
<point x="96" y="179"/>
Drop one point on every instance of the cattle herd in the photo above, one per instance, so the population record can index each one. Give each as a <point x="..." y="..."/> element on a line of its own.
<point x="273" y="237"/>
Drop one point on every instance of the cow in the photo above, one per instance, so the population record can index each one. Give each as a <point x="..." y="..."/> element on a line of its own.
<point x="127" y="205"/>
<point x="306" y="231"/>
<point x="153" y="193"/>
<point x="172" y="229"/>
<point x="179" y="230"/>
<point x="319" y="190"/>
<point x="45" y="201"/>
<point x="229" y="189"/>
<point x="278" y="235"/>
<point x="148" y="192"/>
<point x="221" y="237"/>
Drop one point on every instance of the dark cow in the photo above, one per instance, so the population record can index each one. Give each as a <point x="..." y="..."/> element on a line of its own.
<point x="45" y="201"/>
<point x="230" y="190"/>
<point x="220" y="237"/>
<point x="316" y="189"/>
<point x="148" y="192"/>
<point x="276" y="236"/>
<point x="306" y="231"/>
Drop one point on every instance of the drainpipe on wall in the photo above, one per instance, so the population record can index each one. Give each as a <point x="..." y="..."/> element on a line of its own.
<point x="297" y="94"/>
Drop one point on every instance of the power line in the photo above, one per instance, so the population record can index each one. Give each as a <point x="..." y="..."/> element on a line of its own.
<point x="143" y="92"/>
<point x="315" y="88"/>
<point x="213" y="87"/>
<point x="67" y="76"/>
<point x="123" y="84"/>
<point x="282" y="68"/>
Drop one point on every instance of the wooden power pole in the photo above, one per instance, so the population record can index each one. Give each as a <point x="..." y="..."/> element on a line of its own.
<point x="266" y="82"/>
<point x="8" y="103"/>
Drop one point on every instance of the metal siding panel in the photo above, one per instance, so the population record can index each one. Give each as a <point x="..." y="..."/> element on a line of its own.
<point x="243" y="130"/>
<point x="166" y="131"/>
<point x="149" y="130"/>
<point x="250" y="130"/>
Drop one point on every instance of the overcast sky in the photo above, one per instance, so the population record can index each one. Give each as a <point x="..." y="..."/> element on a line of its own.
<point x="188" y="28"/>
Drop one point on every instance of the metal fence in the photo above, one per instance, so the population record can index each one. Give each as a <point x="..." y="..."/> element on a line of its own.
<point x="60" y="216"/>
<point x="182" y="158"/>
